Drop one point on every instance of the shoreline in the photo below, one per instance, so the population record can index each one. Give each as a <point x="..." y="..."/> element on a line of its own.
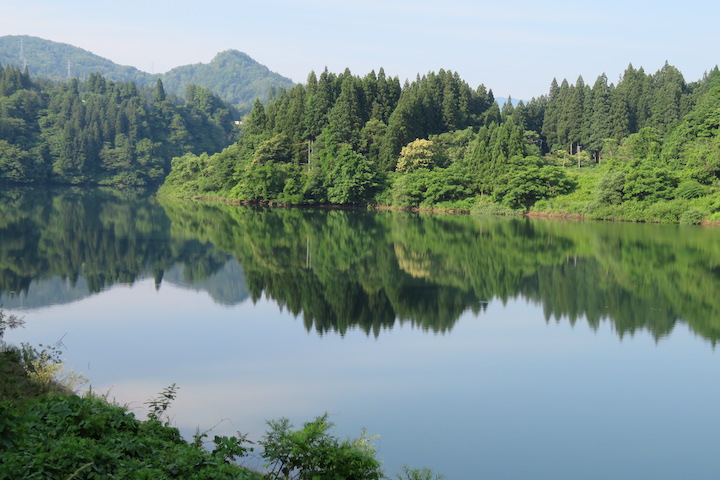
<point x="531" y="214"/>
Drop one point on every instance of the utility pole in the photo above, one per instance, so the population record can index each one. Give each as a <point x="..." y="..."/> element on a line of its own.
<point x="578" y="153"/>
<point x="309" y="143"/>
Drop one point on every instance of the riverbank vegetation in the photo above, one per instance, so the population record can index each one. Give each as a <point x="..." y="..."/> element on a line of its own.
<point x="645" y="149"/>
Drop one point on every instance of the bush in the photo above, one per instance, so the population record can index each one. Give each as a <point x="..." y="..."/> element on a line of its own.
<point x="67" y="436"/>
<point x="312" y="453"/>
<point x="692" y="216"/>
<point x="691" y="189"/>
<point x="530" y="181"/>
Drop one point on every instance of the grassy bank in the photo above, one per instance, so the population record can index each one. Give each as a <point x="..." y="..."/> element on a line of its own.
<point x="48" y="432"/>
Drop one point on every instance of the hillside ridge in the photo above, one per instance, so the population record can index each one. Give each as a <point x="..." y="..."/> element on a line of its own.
<point x="233" y="75"/>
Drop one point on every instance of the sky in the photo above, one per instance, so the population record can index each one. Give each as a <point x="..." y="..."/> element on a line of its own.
<point x="514" y="47"/>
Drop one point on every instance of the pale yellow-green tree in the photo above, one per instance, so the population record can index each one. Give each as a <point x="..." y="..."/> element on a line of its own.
<point x="415" y="155"/>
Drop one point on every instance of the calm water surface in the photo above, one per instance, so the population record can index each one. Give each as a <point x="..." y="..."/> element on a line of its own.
<point x="482" y="347"/>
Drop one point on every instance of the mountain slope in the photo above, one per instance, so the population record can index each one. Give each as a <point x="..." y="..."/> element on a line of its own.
<point x="232" y="75"/>
<point x="54" y="60"/>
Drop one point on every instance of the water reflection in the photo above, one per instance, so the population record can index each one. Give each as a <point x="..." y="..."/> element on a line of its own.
<point x="341" y="270"/>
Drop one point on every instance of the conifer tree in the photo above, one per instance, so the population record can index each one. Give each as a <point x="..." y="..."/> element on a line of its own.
<point x="599" y="119"/>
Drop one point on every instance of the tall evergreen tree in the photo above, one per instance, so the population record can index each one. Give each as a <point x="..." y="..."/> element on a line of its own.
<point x="600" y="119"/>
<point x="552" y="115"/>
<point x="344" y="119"/>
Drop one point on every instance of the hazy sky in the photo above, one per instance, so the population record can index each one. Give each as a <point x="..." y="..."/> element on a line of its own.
<point x="515" y="47"/>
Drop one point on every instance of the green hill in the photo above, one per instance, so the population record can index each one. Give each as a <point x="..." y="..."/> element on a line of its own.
<point x="53" y="60"/>
<point x="232" y="75"/>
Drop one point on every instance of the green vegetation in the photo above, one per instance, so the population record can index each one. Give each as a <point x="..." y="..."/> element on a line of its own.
<point x="46" y="431"/>
<point x="51" y="60"/>
<point x="312" y="453"/>
<point x="231" y="75"/>
<point x="102" y="132"/>
<point x="645" y="149"/>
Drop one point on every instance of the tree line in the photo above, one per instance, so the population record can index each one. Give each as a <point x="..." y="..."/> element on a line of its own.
<point x="102" y="132"/>
<point x="650" y="139"/>
<point x="645" y="148"/>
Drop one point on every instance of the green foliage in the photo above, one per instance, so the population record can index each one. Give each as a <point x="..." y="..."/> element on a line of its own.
<point x="646" y="183"/>
<point x="429" y="187"/>
<point x="48" y="59"/>
<point x="232" y="76"/>
<point x="352" y="179"/>
<point x="101" y="132"/>
<point x="158" y="406"/>
<point x="610" y="188"/>
<point x="496" y="156"/>
<point x="424" y="473"/>
<point x="485" y="206"/>
<point x="61" y="437"/>
<point x="267" y="182"/>
<point x="691" y="216"/>
<point x="691" y="189"/>
<point x="530" y="181"/>
<point x="53" y="434"/>
<point x="229" y="448"/>
<point x="312" y="453"/>
<point x="644" y="145"/>
<point x="334" y="139"/>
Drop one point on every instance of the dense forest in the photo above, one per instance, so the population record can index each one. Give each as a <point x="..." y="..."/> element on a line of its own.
<point x="645" y="148"/>
<point x="59" y="61"/>
<point x="231" y="75"/>
<point x="103" y="132"/>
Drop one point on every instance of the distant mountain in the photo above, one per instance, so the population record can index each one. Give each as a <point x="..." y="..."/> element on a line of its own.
<point x="232" y="75"/>
<point x="60" y="61"/>
<point x="501" y="101"/>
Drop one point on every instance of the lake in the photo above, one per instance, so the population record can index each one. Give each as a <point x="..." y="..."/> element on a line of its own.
<point x="482" y="347"/>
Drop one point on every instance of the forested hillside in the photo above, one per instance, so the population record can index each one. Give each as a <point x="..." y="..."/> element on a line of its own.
<point x="231" y="75"/>
<point x="644" y="149"/>
<point x="60" y="61"/>
<point x="104" y="132"/>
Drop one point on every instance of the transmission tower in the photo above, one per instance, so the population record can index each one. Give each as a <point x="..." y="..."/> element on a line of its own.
<point x="22" y="54"/>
